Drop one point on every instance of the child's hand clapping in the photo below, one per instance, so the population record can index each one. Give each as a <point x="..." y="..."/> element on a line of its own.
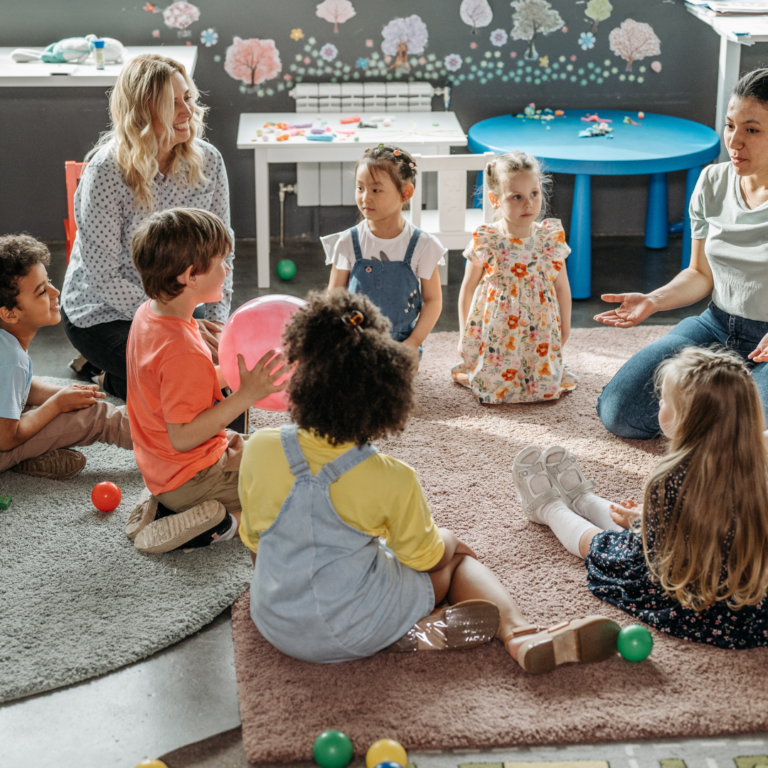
<point x="626" y="513"/>
<point x="259" y="382"/>
<point x="75" y="397"/>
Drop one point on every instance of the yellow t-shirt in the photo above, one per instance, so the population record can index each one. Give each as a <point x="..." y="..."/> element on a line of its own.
<point x="381" y="496"/>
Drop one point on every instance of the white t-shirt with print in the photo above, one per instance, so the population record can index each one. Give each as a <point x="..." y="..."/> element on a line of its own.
<point x="428" y="254"/>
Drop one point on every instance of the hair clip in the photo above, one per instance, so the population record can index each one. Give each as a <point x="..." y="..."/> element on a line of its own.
<point x="353" y="320"/>
<point x="381" y="146"/>
<point x="367" y="149"/>
<point x="411" y="165"/>
<point x="396" y="152"/>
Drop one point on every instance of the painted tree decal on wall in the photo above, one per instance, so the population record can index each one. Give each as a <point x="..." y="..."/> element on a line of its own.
<point x="531" y="18"/>
<point x="598" y="10"/>
<point x="336" y="11"/>
<point x="179" y="16"/>
<point x="633" y="41"/>
<point x="403" y="36"/>
<point x="476" y="13"/>
<point x="252" y="61"/>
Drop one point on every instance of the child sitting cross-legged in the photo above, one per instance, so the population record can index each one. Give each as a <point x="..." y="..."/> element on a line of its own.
<point x="178" y="413"/>
<point x="39" y="421"/>
<point x="692" y="561"/>
<point x="318" y="499"/>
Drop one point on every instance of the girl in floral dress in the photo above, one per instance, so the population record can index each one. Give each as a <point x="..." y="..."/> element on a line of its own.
<point x="692" y="561"/>
<point x="515" y="301"/>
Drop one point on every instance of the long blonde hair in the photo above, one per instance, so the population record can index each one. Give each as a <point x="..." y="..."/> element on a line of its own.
<point x="144" y="84"/>
<point x="713" y="545"/>
<point x="514" y="162"/>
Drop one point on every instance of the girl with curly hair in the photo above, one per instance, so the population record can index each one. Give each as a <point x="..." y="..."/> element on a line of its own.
<point x="318" y="501"/>
<point x="386" y="257"/>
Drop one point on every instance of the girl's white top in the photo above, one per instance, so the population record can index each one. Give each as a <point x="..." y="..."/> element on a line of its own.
<point x="428" y="254"/>
<point x="736" y="242"/>
<point x="102" y="284"/>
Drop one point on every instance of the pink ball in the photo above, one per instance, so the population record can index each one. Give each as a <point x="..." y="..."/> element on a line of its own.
<point x="656" y="66"/>
<point x="251" y="331"/>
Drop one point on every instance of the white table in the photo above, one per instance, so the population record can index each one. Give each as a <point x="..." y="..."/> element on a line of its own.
<point x="735" y="31"/>
<point x="426" y="133"/>
<point x="36" y="74"/>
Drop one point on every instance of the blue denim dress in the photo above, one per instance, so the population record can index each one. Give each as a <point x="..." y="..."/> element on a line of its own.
<point x="390" y="285"/>
<point x="322" y="590"/>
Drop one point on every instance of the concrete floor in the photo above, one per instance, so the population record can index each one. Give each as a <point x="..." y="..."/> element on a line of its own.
<point x="188" y="692"/>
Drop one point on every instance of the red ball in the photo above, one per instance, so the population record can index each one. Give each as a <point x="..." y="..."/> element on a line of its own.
<point x="106" y="496"/>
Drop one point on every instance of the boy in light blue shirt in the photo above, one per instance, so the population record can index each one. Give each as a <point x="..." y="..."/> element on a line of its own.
<point x="39" y="421"/>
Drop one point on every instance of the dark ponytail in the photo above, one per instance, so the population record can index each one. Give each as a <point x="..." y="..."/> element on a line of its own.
<point x="753" y="85"/>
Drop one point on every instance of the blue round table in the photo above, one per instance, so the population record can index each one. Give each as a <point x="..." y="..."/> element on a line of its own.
<point x="658" y="145"/>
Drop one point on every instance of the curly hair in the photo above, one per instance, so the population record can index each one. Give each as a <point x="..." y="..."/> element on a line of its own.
<point x="18" y="254"/>
<point x="352" y="383"/>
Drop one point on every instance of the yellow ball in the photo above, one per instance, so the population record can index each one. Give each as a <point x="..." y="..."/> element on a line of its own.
<point x="386" y="751"/>
<point x="151" y="764"/>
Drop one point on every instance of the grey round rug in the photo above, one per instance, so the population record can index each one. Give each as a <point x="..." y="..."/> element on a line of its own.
<point x="76" y="599"/>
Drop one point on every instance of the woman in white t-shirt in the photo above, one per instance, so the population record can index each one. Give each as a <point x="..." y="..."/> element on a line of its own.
<point x="729" y="258"/>
<point x="385" y="257"/>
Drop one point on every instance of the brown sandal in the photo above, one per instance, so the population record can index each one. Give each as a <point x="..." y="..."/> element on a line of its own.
<point x="586" y="640"/>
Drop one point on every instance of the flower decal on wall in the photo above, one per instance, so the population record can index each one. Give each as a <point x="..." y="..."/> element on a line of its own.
<point x="180" y="15"/>
<point x="586" y="40"/>
<point x="329" y="52"/>
<point x="452" y="62"/>
<point x="296" y="34"/>
<point x="362" y="63"/>
<point x="499" y="37"/>
<point x="544" y="61"/>
<point x="209" y="37"/>
<point x="155" y="33"/>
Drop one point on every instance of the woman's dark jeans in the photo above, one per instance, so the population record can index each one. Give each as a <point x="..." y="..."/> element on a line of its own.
<point x="628" y="406"/>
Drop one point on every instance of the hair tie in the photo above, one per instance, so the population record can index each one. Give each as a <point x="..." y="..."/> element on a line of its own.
<point x="353" y="320"/>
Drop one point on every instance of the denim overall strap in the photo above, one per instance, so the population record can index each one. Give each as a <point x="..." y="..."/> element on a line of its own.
<point x="412" y="246"/>
<point x="356" y="244"/>
<point x="332" y="471"/>
<point x="290" y="442"/>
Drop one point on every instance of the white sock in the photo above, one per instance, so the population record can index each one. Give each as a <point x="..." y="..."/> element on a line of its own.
<point x="596" y="510"/>
<point x="230" y="534"/>
<point x="565" y="524"/>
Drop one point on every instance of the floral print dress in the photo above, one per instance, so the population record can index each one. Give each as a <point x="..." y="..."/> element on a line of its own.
<point x="511" y="347"/>
<point x="617" y="573"/>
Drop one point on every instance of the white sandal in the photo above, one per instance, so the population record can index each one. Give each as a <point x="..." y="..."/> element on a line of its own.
<point x="558" y="468"/>
<point x="528" y="471"/>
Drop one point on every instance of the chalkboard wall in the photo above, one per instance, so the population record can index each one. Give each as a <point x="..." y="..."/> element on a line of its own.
<point x="585" y="54"/>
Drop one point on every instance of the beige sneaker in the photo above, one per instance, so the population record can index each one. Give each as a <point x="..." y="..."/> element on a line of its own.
<point x="141" y="515"/>
<point x="60" y="464"/>
<point x="170" y="532"/>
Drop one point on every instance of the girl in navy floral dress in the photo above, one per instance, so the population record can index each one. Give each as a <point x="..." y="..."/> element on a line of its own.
<point x="694" y="562"/>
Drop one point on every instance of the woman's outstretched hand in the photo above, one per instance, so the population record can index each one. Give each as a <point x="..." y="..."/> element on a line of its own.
<point x="760" y="355"/>
<point x="633" y="309"/>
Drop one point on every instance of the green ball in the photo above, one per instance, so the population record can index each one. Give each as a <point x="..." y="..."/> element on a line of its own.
<point x="332" y="749"/>
<point x="286" y="269"/>
<point x="635" y="642"/>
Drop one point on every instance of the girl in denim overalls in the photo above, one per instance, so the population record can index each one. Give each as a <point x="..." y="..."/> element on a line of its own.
<point x="385" y="257"/>
<point x="318" y="499"/>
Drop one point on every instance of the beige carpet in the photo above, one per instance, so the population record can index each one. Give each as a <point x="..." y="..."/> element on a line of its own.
<point x="462" y="452"/>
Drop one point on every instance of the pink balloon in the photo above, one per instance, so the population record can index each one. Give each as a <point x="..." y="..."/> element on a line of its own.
<point x="251" y="331"/>
<point x="656" y="66"/>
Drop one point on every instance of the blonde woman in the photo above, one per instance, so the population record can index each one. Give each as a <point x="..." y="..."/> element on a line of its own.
<point x="691" y="562"/>
<point x="153" y="158"/>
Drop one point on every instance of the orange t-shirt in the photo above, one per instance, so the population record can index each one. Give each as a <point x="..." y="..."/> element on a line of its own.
<point x="171" y="379"/>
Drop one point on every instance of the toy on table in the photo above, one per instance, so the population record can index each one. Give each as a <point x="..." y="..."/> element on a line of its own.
<point x="251" y="331"/>
<point x="594" y="119"/>
<point x="629" y="121"/>
<point x="322" y="137"/>
<point x="386" y="751"/>
<point x="545" y="115"/>
<point x="5" y="502"/>
<point x="72" y="50"/>
<point x="286" y="269"/>
<point x="603" y="129"/>
<point x="347" y="120"/>
<point x="106" y="496"/>
<point x="640" y="115"/>
<point x="332" y="749"/>
<point x="635" y="642"/>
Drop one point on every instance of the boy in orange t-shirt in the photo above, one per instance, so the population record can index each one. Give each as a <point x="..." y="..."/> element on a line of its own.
<point x="178" y="415"/>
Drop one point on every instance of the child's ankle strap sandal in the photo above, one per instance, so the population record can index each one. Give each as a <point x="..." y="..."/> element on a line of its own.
<point x="526" y="629"/>
<point x="569" y="462"/>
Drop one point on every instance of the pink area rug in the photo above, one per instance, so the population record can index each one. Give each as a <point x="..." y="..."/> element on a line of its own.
<point x="480" y="699"/>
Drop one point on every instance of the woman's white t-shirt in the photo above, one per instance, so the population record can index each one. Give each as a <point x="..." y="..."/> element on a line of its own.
<point x="428" y="254"/>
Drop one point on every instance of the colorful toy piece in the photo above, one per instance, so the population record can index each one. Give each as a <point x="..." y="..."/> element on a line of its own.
<point x="635" y="642"/>
<point x="353" y="119"/>
<point x="640" y="115"/>
<point x="332" y="749"/>
<point x="322" y="137"/>
<point x="559" y="113"/>
<point x="386" y="751"/>
<point x="151" y="764"/>
<point x="252" y="330"/>
<point x="594" y="119"/>
<point x="106" y="496"/>
<point x="5" y="502"/>
<point x="286" y="269"/>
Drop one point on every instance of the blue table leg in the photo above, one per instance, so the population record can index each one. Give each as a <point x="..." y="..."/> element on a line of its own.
<point x="691" y="177"/>
<point x="579" y="263"/>
<point x="656" y="223"/>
